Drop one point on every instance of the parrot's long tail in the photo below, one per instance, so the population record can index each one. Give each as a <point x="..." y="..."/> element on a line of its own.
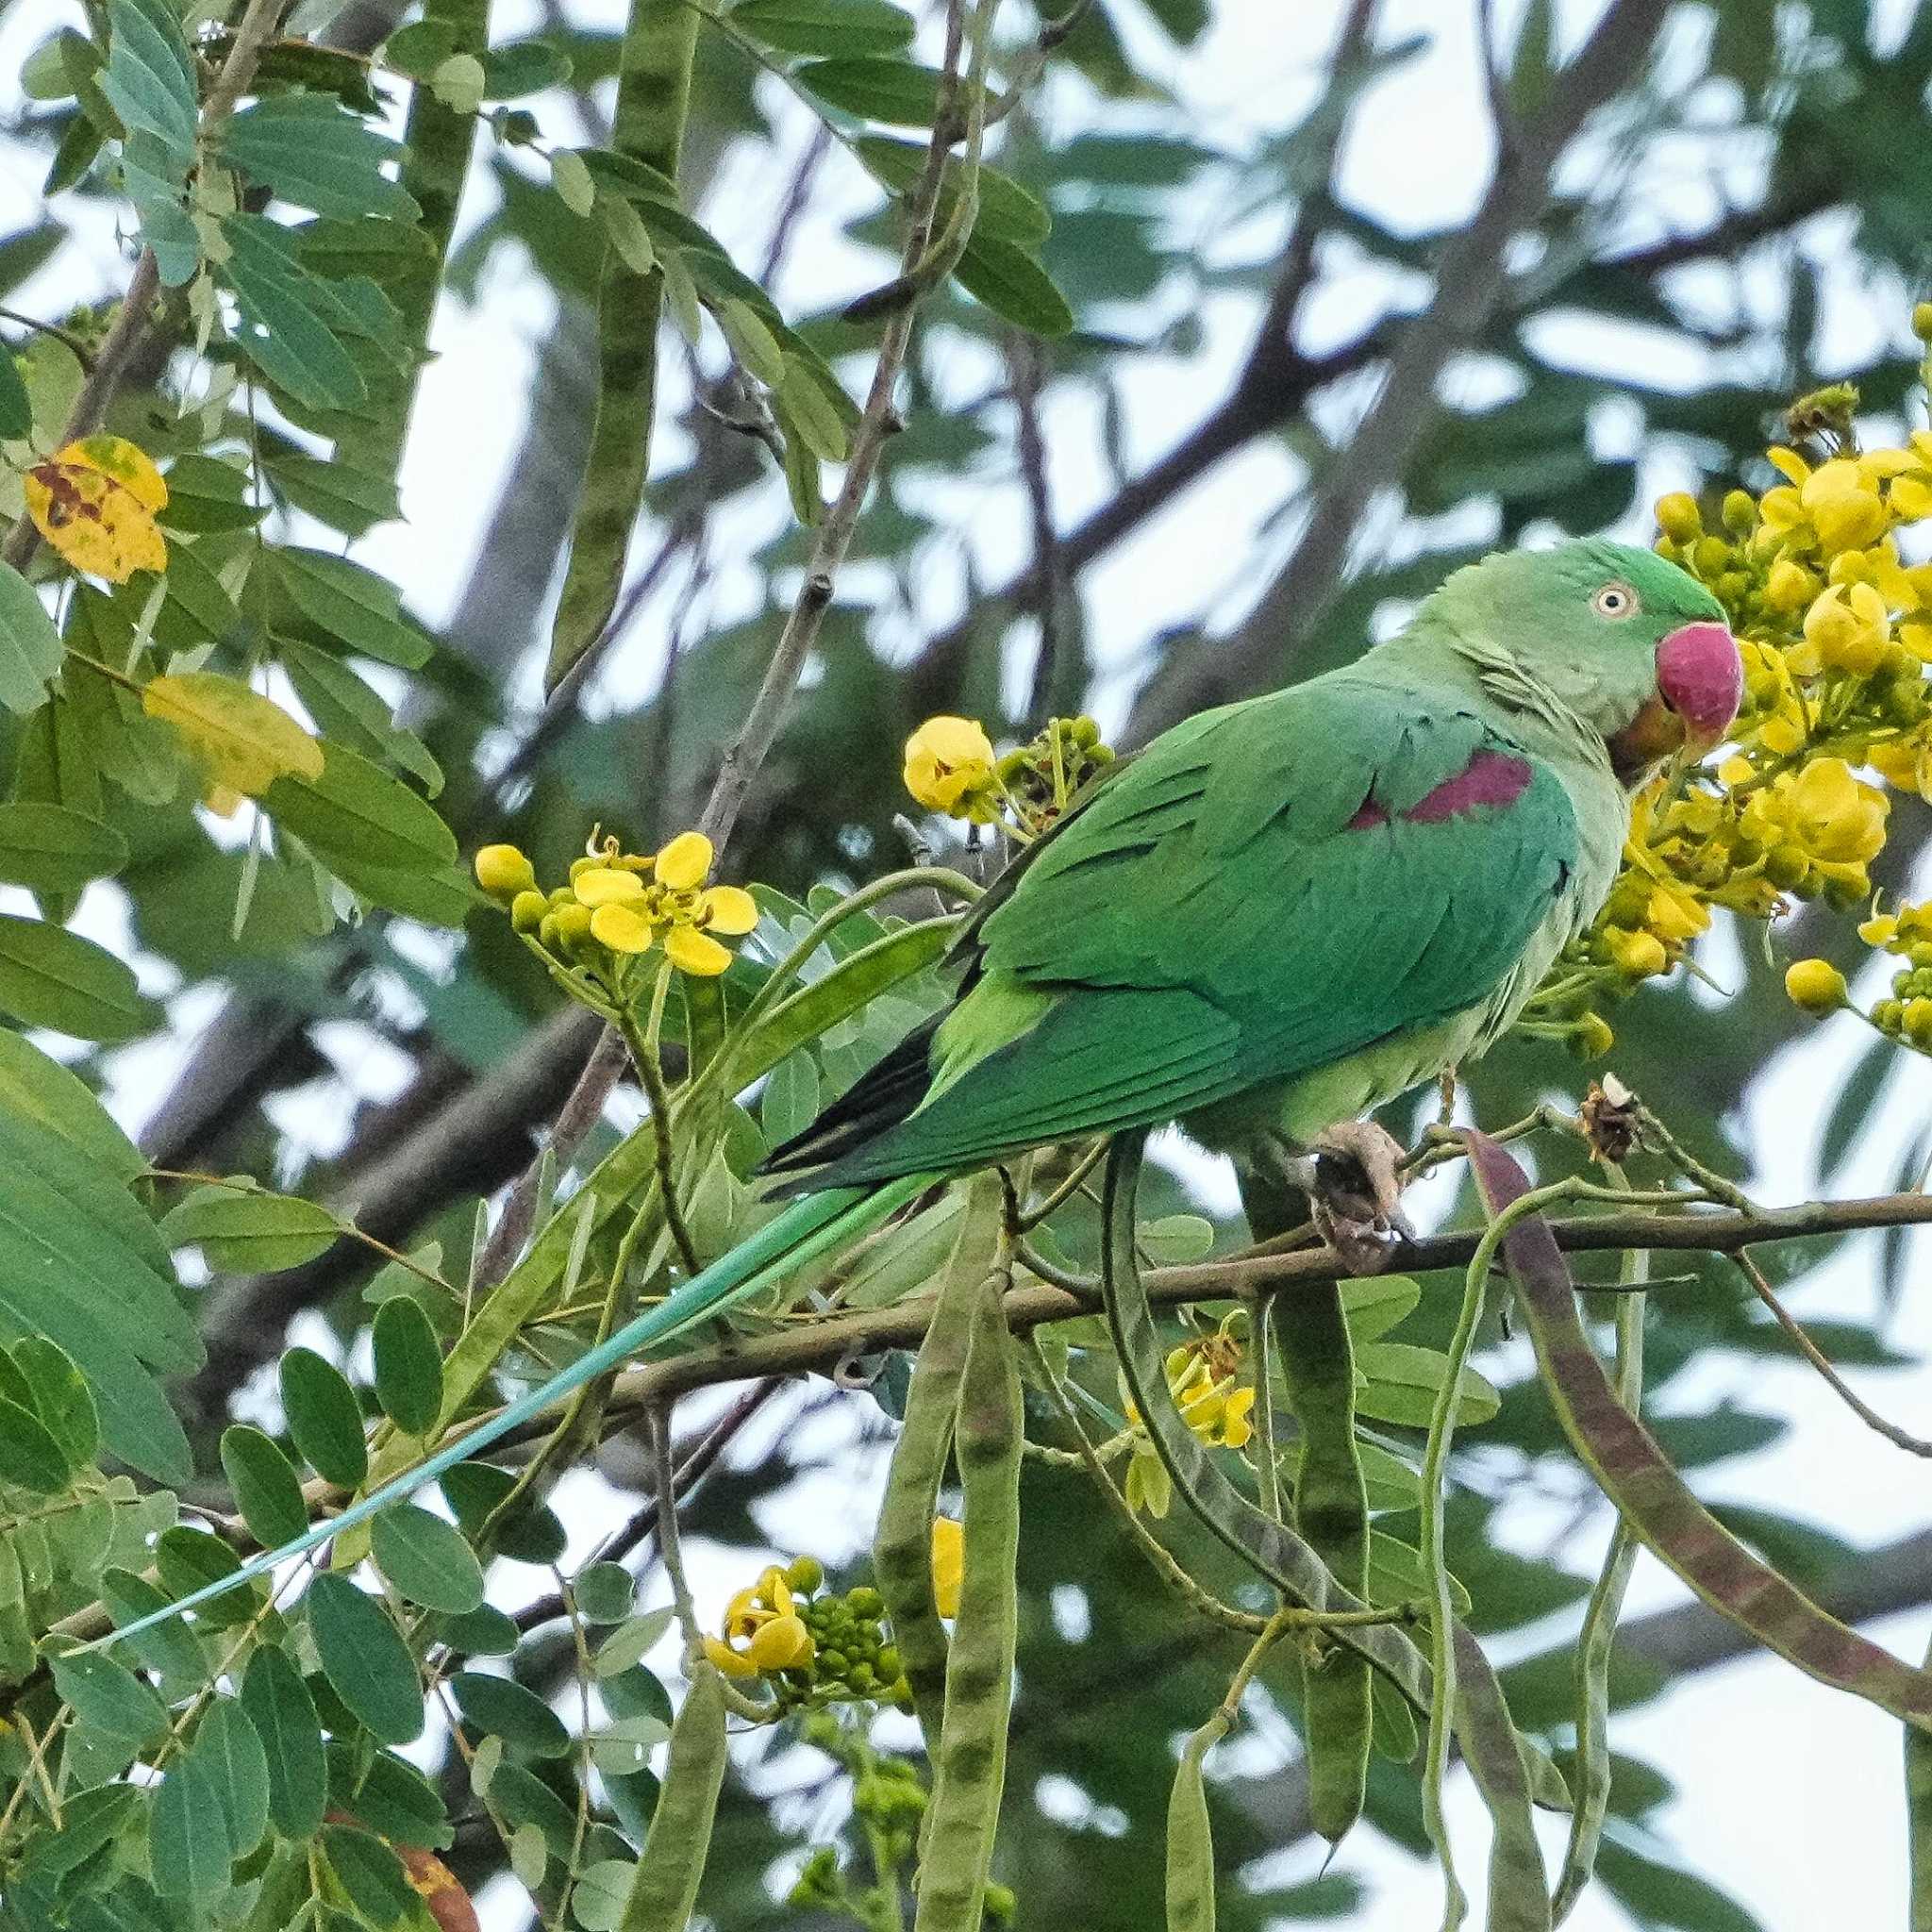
<point x="805" y="1230"/>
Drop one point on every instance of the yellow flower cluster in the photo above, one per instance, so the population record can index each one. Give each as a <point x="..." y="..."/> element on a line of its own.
<point x="1835" y="632"/>
<point x="1204" y="1377"/>
<point x="619" y="905"/>
<point x="951" y="768"/>
<point x="813" y="1646"/>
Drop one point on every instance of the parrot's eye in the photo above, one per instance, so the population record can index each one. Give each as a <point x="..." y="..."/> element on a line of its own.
<point x="1615" y="600"/>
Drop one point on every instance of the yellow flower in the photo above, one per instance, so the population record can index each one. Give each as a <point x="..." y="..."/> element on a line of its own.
<point x="948" y="1565"/>
<point x="762" y="1630"/>
<point x="949" y="768"/>
<point x="1788" y="463"/>
<point x="1816" y="986"/>
<point x="502" y="871"/>
<point x="623" y="928"/>
<point x="781" y="1644"/>
<point x="1904" y="764"/>
<point x="1848" y="627"/>
<point x="1843" y="506"/>
<point x="1838" y="818"/>
<point x="1911" y="498"/>
<point x="683" y="864"/>
<point x="603" y="885"/>
<point x="734" y="1663"/>
<point x="1787" y="586"/>
<point x="1674" y="913"/>
<point x="1635" y="955"/>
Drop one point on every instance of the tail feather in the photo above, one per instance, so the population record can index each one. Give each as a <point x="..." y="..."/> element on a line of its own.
<point x="879" y="1099"/>
<point x="802" y="1232"/>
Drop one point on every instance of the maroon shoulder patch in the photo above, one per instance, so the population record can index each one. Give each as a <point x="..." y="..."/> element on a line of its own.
<point x="1491" y="777"/>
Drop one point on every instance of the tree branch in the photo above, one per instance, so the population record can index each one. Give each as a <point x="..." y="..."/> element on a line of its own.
<point x="1470" y="283"/>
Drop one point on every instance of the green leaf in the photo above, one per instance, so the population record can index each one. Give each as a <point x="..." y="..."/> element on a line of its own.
<point x="604" y="1592"/>
<point x="170" y="1648"/>
<point x="30" y="1459"/>
<point x="1007" y="212"/>
<point x="41" y="1093"/>
<point x="601" y="1889"/>
<point x="1375" y="1306"/>
<point x="267" y="1490"/>
<point x="149" y="78"/>
<point x="754" y="344"/>
<point x="1399" y="1383"/>
<point x="249" y="1230"/>
<point x="483" y="1632"/>
<point x="364" y="1658"/>
<point x="60" y="1397"/>
<point x="346" y="708"/>
<point x="16" y="407"/>
<point x="390" y="1797"/>
<point x="427" y="1560"/>
<point x="359" y="813"/>
<point x="630" y="1641"/>
<point x="1014" y="285"/>
<point x="533" y="1533"/>
<point x="283" y="1713"/>
<point x="38" y="1090"/>
<point x="1175" y="1240"/>
<point x="189" y="1848"/>
<point x="325" y="1418"/>
<point x="371" y="1874"/>
<point x="344" y="498"/>
<point x="352" y="605"/>
<point x="229" y="1750"/>
<point x="30" y="648"/>
<point x="208" y="497"/>
<point x="306" y="150"/>
<point x="54" y="978"/>
<point x="523" y="67"/>
<point x="826" y="26"/>
<point x="292" y="320"/>
<point x="502" y="1708"/>
<point x="409" y="1365"/>
<point x="109" y="1697"/>
<point x="898" y="92"/>
<point x="188" y="1560"/>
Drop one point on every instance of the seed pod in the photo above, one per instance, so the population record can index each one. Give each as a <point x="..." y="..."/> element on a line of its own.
<point x="665" y="1887"/>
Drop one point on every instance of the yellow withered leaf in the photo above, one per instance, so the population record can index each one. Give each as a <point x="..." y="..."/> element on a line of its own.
<point x="241" y="740"/>
<point x="94" y="502"/>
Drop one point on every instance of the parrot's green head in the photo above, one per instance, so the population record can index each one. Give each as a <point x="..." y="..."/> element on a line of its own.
<point x="1626" y="644"/>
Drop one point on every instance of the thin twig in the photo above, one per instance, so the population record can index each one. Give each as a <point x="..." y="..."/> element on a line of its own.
<point x="664" y="1485"/>
<point x="1025" y="365"/>
<point x="1912" y="1446"/>
<point x="742" y="758"/>
<point x="82" y="348"/>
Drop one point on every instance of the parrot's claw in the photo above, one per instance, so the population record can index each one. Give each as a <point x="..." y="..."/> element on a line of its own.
<point x="1356" y="1201"/>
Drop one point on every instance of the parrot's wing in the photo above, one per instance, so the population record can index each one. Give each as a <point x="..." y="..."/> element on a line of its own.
<point x="1261" y="892"/>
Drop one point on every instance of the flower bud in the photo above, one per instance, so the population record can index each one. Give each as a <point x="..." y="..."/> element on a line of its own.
<point x="526" y="910"/>
<point x="805" y="1574"/>
<point x="1678" y="518"/>
<point x="1918" y="1023"/>
<point x="1636" y="954"/>
<point x="1921" y="322"/>
<point x="502" y="871"/>
<point x="1815" y="986"/>
<point x="1739" y="512"/>
<point x="1591" y="1038"/>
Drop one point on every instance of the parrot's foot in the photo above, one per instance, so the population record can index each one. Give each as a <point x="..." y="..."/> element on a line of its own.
<point x="1356" y="1199"/>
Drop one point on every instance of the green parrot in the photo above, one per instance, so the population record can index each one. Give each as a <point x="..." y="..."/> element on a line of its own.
<point x="1279" y="915"/>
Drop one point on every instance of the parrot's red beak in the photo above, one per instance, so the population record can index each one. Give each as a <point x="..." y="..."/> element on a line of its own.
<point x="1700" y="683"/>
<point x="1700" y="675"/>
